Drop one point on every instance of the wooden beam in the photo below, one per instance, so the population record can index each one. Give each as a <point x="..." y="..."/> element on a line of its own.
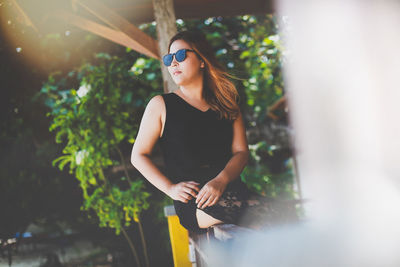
<point x="101" y="30"/>
<point x="21" y="15"/>
<point x="119" y="23"/>
<point x="140" y="11"/>
<point x="224" y="8"/>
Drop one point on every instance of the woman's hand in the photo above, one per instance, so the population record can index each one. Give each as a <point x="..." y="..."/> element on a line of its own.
<point x="210" y="193"/>
<point x="183" y="191"/>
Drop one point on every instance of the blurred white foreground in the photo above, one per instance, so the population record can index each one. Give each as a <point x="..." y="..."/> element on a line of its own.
<point x="343" y="79"/>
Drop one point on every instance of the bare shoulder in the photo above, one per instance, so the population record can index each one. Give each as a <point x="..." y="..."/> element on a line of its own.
<point x="156" y="110"/>
<point x="156" y="102"/>
<point x="156" y="105"/>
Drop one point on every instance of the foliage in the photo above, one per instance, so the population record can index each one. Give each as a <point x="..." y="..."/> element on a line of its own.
<point x="262" y="59"/>
<point x="98" y="121"/>
<point x="270" y="172"/>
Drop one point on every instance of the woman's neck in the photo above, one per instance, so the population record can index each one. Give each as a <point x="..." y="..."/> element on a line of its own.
<point x="193" y="90"/>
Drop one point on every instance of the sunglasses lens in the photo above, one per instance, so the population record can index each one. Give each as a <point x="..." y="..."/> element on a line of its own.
<point x="167" y="59"/>
<point x="180" y="55"/>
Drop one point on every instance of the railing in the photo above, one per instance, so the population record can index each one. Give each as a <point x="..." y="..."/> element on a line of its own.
<point x="221" y="233"/>
<point x="188" y="249"/>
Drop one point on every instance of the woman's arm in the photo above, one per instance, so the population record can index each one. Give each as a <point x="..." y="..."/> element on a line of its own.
<point x="149" y="132"/>
<point x="240" y="153"/>
<point x="212" y="191"/>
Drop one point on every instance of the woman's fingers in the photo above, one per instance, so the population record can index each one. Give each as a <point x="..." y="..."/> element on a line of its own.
<point x="208" y="202"/>
<point x="185" y="191"/>
<point x="214" y="201"/>
<point x="193" y="185"/>
<point x="203" y="198"/>
<point x="207" y="196"/>
<point x="185" y="197"/>
<point x="181" y="199"/>
<point x="200" y="196"/>
<point x="190" y="191"/>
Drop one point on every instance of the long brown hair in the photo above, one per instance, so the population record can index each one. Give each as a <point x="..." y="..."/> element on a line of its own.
<point x="219" y="92"/>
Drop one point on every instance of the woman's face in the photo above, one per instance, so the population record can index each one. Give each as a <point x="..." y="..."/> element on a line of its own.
<point x="187" y="71"/>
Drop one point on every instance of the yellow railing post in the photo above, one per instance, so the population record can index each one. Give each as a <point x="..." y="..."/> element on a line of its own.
<point x="179" y="239"/>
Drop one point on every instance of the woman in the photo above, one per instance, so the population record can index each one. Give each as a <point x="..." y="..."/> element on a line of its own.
<point x="202" y="136"/>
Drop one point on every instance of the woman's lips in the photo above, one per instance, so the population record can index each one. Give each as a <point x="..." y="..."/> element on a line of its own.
<point x="177" y="72"/>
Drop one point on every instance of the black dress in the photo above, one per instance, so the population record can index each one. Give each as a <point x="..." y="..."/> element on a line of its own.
<point x="196" y="146"/>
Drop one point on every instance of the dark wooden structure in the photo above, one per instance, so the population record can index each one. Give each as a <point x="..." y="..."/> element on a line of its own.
<point x="117" y="20"/>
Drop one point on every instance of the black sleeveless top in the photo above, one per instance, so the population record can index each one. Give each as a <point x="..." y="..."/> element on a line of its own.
<point x="196" y="145"/>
